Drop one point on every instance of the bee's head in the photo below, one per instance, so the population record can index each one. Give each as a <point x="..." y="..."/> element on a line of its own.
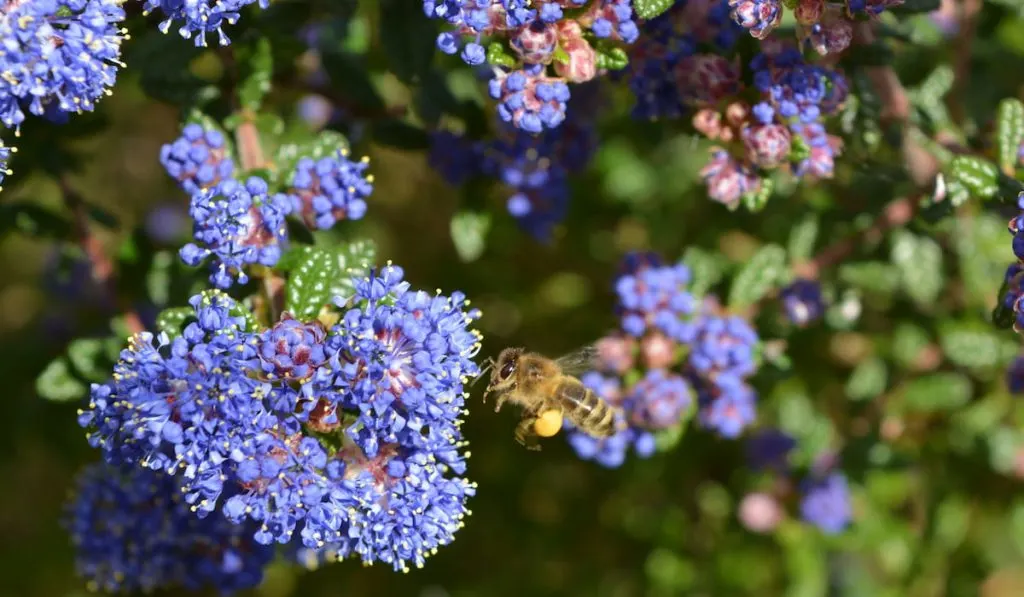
<point x="503" y="376"/>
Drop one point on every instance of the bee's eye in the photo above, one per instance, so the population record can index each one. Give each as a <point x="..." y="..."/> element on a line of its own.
<point x="507" y="369"/>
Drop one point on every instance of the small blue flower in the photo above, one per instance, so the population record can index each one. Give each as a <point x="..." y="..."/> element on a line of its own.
<point x="802" y="301"/>
<point x="200" y="17"/>
<point x="656" y="298"/>
<point x="57" y="56"/>
<point x="132" y="531"/>
<point x="1015" y="376"/>
<point x="236" y="225"/>
<point x="769" y="449"/>
<point x="530" y="100"/>
<point x="454" y="157"/>
<point x="659" y="400"/>
<point x="292" y="349"/>
<point x="198" y="160"/>
<point x="330" y="189"/>
<point x="826" y="503"/>
<point x="727" y="405"/>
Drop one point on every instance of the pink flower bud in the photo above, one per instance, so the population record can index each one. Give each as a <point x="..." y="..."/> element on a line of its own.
<point x="767" y="145"/>
<point x="808" y="12"/>
<point x="708" y="122"/>
<point x="707" y="79"/>
<point x="615" y="353"/>
<point x="582" y="64"/>
<point x="760" y="512"/>
<point x="657" y="350"/>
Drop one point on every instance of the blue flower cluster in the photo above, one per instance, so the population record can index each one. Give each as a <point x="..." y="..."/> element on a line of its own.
<point x="57" y="56"/>
<point x="198" y="159"/>
<point x="133" y="532"/>
<point x="1013" y="297"/>
<point x="662" y="69"/>
<point x="536" y="49"/>
<point x="242" y="223"/>
<point x="826" y="503"/>
<point x="200" y="17"/>
<point x="825" y="26"/>
<point x="330" y="189"/>
<point x="236" y="224"/>
<point x="682" y="356"/>
<point x="534" y="168"/>
<point x="5" y="157"/>
<point x="344" y="439"/>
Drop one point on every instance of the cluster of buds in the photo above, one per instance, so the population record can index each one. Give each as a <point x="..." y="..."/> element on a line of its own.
<point x="825" y="25"/>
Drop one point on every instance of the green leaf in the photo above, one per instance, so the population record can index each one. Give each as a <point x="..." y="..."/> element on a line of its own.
<point x="88" y="358"/>
<point x="58" y="384"/>
<point x="408" y="38"/>
<point x="400" y="135"/>
<point x="1010" y="133"/>
<point x="648" y="9"/>
<point x="666" y="439"/>
<point x="498" y="56"/>
<point x="908" y="342"/>
<point x="611" y="57"/>
<point x="944" y="391"/>
<point x="170" y="321"/>
<point x="256" y="63"/>
<point x="309" y="285"/>
<point x="974" y="346"/>
<point x="757" y="277"/>
<point x="469" y="232"/>
<point x="325" y="144"/>
<point x="355" y="260"/>
<point x="868" y="379"/>
<point x="919" y="261"/>
<point x="706" y="269"/>
<point x="802" y="238"/>
<point x="977" y="175"/>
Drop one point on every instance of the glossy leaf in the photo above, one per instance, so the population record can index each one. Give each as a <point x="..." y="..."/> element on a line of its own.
<point x="758" y="276"/>
<point x="309" y="285"/>
<point x="648" y="9"/>
<point x="256" y="63"/>
<point x="469" y="234"/>
<point x="58" y="384"/>
<point x="1009" y="133"/>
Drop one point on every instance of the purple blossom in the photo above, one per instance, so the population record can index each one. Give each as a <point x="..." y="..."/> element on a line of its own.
<point x="826" y="503"/>
<point x="236" y="225"/>
<point x="199" y="159"/>
<point x="802" y="301"/>
<point x="200" y="17"/>
<point x="58" y="56"/>
<point x="330" y="189"/>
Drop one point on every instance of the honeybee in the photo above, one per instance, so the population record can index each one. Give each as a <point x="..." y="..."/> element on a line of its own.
<point x="548" y="390"/>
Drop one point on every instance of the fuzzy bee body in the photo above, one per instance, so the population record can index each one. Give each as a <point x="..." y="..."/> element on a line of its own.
<point x="539" y="384"/>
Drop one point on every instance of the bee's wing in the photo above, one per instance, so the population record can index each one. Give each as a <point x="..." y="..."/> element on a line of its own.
<point x="578" y="361"/>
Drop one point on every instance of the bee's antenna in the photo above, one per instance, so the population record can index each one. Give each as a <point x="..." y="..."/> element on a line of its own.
<point x="483" y="372"/>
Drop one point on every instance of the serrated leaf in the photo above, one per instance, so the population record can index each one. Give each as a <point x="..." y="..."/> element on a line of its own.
<point x="758" y="276"/>
<point x="408" y="39"/>
<point x="919" y="261"/>
<point x="937" y="392"/>
<point x="58" y="384"/>
<point x="1009" y="133"/>
<point x="171" y="321"/>
<point x="868" y="379"/>
<point x="88" y="358"/>
<point x="971" y="346"/>
<point x="469" y="233"/>
<point x="648" y="9"/>
<point x="611" y="58"/>
<point x="706" y="269"/>
<point x="802" y="238"/>
<point x="979" y="176"/>
<point x="324" y="144"/>
<point x="256" y="63"/>
<point x="355" y="260"/>
<point x="309" y="285"/>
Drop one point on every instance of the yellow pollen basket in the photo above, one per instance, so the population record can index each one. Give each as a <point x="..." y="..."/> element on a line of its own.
<point x="548" y="423"/>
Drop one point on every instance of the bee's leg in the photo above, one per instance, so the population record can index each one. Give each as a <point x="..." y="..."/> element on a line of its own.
<point x="525" y="434"/>
<point x="499" y="401"/>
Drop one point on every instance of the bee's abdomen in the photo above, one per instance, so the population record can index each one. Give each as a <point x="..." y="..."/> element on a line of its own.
<point x="585" y="409"/>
